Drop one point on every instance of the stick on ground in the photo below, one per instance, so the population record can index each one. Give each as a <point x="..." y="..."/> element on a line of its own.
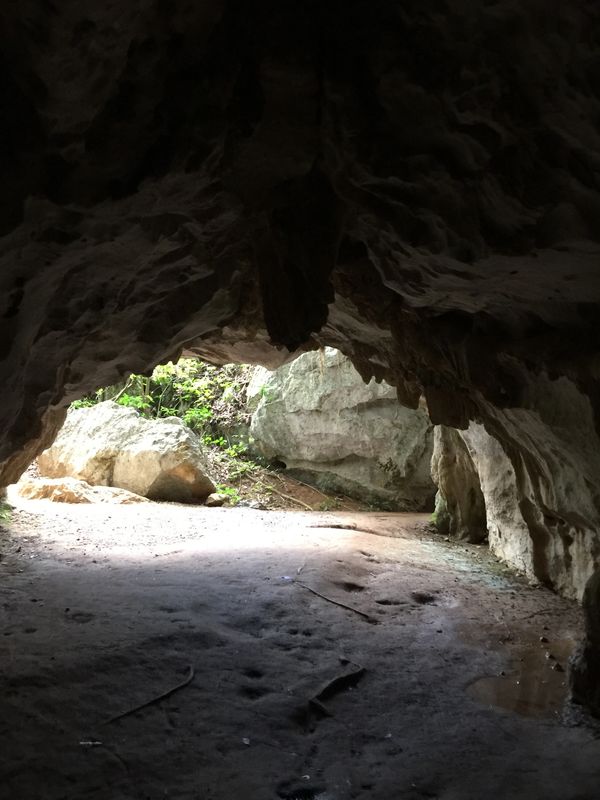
<point x="157" y="699"/>
<point x="366" y="616"/>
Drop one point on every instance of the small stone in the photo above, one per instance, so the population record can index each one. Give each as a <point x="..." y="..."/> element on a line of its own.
<point x="216" y="499"/>
<point x="549" y="656"/>
<point x="543" y="639"/>
<point x="557" y="667"/>
<point x="254" y="504"/>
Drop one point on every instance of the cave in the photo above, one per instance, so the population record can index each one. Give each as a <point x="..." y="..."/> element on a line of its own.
<point x="415" y="184"/>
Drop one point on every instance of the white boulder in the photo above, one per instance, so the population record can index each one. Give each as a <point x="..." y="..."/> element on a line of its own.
<point x="71" y="490"/>
<point x="332" y="429"/>
<point x="109" y="445"/>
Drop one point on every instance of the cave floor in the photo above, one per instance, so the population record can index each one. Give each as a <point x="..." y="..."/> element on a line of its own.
<point x="440" y="689"/>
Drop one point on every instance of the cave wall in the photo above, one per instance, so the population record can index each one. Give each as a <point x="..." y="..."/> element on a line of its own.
<point x="552" y="445"/>
<point x="459" y="502"/>
<point x="413" y="183"/>
<point x="538" y="469"/>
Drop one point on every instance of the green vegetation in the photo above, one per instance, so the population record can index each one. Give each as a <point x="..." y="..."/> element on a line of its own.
<point x="210" y="400"/>
<point x="5" y="512"/>
<point x="232" y="494"/>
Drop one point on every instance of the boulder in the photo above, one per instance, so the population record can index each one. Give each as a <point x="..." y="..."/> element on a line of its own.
<point x="216" y="500"/>
<point x="329" y="427"/>
<point x="110" y="445"/>
<point x="71" y="490"/>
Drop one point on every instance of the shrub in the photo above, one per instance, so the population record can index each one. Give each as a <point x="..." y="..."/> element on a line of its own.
<point x="210" y="400"/>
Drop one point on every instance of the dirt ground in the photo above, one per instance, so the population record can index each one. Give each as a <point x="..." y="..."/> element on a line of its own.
<point x="445" y="685"/>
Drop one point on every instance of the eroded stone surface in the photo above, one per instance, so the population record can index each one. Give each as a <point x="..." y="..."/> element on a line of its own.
<point x="108" y="445"/>
<point x="71" y="490"/>
<point x="538" y="468"/>
<point x="459" y="504"/>
<point x="326" y="424"/>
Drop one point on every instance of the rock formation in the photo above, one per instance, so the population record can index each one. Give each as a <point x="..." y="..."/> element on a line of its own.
<point x="414" y="183"/>
<point x="459" y="503"/>
<point x="71" y="490"/>
<point x="329" y="427"/>
<point x="108" y="445"/>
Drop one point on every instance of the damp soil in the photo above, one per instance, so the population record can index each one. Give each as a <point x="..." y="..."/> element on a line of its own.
<point x="160" y="651"/>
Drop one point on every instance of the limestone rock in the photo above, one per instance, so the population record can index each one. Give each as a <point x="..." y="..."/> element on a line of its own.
<point x="216" y="500"/>
<point x="326" y="424"/>
<point x="460" y="507"/>
<point x="508" y="533"/>
<point x="114" y="446"/>
<point x="538" y="469"/>
<point x="71" y="490"/>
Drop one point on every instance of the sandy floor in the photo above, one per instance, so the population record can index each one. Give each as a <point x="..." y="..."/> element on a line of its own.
<point x="440" y="688"/>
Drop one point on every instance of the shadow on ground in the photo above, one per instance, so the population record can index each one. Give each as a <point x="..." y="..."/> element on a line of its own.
<point x="292" y="696"/>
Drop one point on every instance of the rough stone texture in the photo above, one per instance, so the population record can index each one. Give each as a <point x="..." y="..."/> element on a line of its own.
<point x="323" y="421"/>
<point x="459" y="503"/>
<point x="584" y="676"/>
<point x="539" y="477"/>
<point x="508" y="533"/>
<point x="71" y="490"/>
<point x="415" y="183"/>
<point x="109" y="445"/>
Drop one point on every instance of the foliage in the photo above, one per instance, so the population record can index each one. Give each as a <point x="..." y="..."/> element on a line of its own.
<point x="230" y="492"/>
<point x="5" y="512"/>
<point x="210" y="400"/>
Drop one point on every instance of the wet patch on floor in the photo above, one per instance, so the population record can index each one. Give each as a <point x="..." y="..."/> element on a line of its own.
<point x="534" y="684"/>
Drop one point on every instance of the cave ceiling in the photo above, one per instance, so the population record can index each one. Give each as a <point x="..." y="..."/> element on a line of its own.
<point x="413" y="182"/>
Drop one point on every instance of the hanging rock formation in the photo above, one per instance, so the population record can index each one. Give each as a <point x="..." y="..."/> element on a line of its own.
<point x="415" y="183"/>
<point x="329" y="427"/>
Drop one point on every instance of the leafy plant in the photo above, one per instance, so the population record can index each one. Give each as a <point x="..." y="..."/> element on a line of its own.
<point x="210" y="400"/>
<point x="85" y="402"/>
<point x="134" y="401"/>
<point x="230" y="492"/>
<point x="5" y="512"/>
